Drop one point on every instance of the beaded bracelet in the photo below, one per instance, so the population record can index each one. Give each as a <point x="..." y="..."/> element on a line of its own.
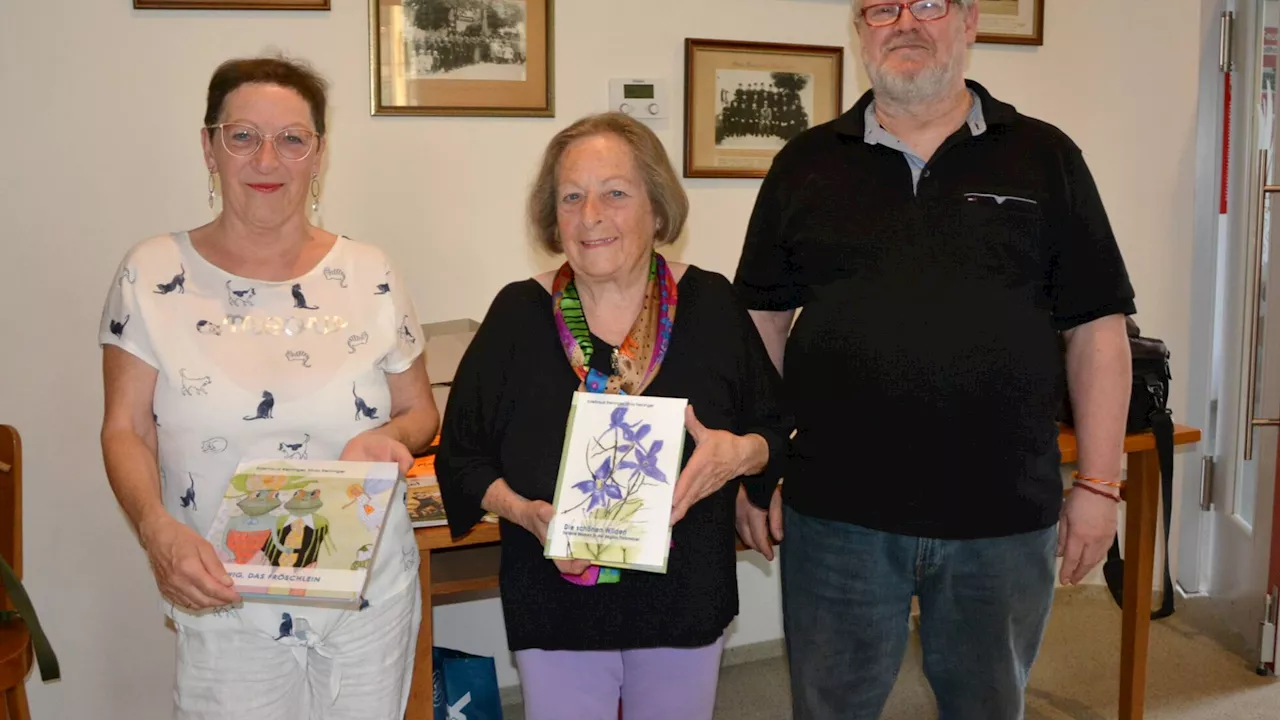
<point x="1086" y="478"/>
<point x="1096" y="491"/>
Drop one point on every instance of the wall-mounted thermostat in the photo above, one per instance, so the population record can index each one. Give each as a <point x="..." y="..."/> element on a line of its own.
<point x="639" y="98"/>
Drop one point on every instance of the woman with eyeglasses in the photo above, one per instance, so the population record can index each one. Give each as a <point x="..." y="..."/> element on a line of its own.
<point x="260" y="335"/>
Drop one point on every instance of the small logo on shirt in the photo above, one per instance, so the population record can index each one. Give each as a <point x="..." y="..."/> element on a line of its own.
<point x="999" y="199"/>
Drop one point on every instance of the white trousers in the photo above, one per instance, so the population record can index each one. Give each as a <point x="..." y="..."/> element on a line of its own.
<point x="333" y="666"/>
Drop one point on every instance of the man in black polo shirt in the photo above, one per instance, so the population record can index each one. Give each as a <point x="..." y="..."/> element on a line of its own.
<point x="942" y="245"/>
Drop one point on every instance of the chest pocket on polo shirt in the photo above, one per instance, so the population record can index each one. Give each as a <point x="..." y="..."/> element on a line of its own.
<point x="1005" y="234"/>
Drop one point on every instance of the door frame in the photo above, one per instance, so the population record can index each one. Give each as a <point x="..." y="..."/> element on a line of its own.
<point x="1191" y="562"/>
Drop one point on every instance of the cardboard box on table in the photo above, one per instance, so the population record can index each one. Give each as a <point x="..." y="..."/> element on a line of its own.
<point x="446" y="341"/>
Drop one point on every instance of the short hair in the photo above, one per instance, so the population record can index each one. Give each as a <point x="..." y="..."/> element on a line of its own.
<point x="293" y="74"/>
<point x="666" y="194"/>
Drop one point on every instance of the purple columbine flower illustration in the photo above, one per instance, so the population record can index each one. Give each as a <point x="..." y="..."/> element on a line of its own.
<point x="646" y="462"/>
<point x="600" y="487"/>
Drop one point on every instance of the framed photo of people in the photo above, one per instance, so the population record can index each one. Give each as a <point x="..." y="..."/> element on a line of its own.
<point x="231" y="4"/>
<point x="462" y="57"/>
<point x="1011" y="22"/>
<point x="745" y="100"/>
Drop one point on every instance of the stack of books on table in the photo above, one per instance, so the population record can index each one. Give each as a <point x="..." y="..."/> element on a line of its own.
<point x="426" y="508"/>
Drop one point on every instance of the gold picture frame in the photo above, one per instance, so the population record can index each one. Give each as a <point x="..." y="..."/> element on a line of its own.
<point x="231" y="4"/>
<point x="462" y="57"/>
<point x="745" y="100"/>
<point x="1011" y="22"/>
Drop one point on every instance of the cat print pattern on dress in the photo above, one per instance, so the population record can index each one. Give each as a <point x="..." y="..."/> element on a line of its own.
<point x="117" y="327"/>
<point x="355" y="340"/>
<point x="179" y="283"/>
<point x="296" y="451"/>
<point x="336" y="274"/>
<point x="300" y="300"/>
<point x="128" y="274"/>
<point x="362" y="408"/>
<point x="265" y="408"/>
<point x="240" y="298"/>
<point x="385" y="287"/>
<point x="298" y="356"/>
<point x="405" y="332"/>
<point x="213" y="445"/>
<point x="193" y="385"/>
<point x="188" y="498"/>
<point x="208" y="327"/>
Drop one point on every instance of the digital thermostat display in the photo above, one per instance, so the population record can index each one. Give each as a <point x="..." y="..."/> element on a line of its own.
<point x="637" y="92"/>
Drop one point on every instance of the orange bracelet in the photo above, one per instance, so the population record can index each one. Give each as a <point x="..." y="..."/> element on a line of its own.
<point x="1095" y="491"/>
<point x="1086" y="478"/>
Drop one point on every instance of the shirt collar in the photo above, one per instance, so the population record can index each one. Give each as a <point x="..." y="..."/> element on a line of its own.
<point x="854" y="122"/>
<point x="876" y="134"/>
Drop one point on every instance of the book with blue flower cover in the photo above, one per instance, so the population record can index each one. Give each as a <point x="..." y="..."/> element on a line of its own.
<point x="618" y="469"/>
<point x="303" y="531"/>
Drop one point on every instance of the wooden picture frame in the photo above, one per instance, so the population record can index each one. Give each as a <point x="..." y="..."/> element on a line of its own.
<point x="745" y="100"/>
<point x="231" y="4"/>
<point x="462" y="57"/>
<point x="1011" y="22"/>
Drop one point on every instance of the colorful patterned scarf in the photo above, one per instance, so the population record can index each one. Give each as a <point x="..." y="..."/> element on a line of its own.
<point x="635" y="363"/>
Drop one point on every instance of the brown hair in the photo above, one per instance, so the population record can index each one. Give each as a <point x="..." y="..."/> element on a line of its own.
<point x="666" y="195"/>
<point x="292" y="74"/>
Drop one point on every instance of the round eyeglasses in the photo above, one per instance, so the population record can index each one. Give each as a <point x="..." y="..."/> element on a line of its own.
<point x="244" y="140"/>
<point x="885" y="14"/>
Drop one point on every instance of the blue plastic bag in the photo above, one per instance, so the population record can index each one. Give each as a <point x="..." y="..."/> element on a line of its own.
<point x="464" y="686"/>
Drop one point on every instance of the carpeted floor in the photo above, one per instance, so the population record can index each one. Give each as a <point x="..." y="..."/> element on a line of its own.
<point x="1196" y="673"/>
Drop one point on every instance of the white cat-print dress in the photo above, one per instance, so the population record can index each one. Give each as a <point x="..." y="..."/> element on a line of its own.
<point x="257" y="370"/>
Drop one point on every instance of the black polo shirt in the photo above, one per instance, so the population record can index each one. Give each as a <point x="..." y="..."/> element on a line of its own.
<point x="925" y="369"/>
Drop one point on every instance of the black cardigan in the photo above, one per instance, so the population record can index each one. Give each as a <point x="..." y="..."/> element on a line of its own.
<point x="506" y="417"/>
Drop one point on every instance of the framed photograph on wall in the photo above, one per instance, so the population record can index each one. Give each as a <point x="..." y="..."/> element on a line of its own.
<point x="231" y="4"/>
<point x="462" y="57"/>
<point x="745" y="100"/>
<point x="1011" y="22"/>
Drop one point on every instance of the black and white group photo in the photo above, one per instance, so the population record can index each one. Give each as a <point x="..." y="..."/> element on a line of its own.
<point x="466" y="39"/>
<point x="761" y="110"/>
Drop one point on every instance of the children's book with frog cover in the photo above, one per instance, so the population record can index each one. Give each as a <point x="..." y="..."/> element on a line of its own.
<point x="618" y="471"/>
<point x="303" y="531"/>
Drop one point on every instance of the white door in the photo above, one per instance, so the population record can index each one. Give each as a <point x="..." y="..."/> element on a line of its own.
<point x="1226" y="531"/>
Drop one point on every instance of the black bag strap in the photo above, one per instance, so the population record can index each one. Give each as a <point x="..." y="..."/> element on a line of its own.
<point x="45" y="657"/>
<point x="1113" y="570"/>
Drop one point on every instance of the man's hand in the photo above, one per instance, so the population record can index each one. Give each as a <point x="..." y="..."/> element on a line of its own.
<point x="754" y="525"/>
<point x="1085" y="532"/>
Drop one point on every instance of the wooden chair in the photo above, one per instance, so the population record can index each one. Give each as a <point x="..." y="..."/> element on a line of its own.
<point x="15" y="641"/>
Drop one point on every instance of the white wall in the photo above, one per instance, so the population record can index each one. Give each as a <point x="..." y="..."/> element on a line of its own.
<point x="101" y="107"/>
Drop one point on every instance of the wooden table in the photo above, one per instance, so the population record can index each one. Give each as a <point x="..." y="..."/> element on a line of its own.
<point x="1142" y="501"/>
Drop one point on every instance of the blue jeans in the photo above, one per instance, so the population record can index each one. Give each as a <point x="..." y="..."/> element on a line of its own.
<point x="846" y="600"/>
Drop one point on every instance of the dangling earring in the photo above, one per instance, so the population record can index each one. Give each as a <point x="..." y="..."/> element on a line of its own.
<point x="315" y="193"/>
<point x="210" y="189"/>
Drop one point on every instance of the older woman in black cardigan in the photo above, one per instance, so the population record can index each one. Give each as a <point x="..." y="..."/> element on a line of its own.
<point x="584" y="636"/>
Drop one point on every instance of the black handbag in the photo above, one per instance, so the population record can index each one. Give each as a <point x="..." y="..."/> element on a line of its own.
<point x="1148" y="410"/>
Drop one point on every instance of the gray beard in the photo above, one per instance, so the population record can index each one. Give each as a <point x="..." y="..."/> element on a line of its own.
<point x="928" y="85"/>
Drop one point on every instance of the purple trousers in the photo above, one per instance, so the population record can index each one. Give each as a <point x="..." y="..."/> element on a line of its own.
<point x="654" y="684"/>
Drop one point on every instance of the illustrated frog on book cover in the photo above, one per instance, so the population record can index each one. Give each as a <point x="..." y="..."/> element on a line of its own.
<point x="300" y="535"/>
<point x="247" y="535"/>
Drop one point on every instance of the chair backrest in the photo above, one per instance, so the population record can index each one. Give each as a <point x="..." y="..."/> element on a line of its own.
<point x="10" y="501"/>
